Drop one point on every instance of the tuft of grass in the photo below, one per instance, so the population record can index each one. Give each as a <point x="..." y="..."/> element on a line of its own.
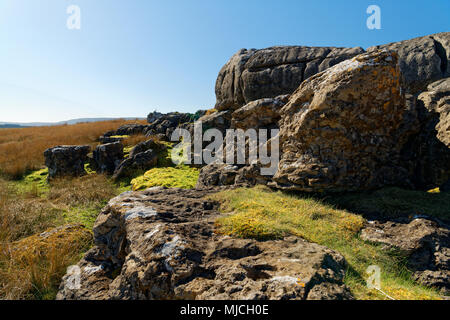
<point x="172" y="177"/>
<point x="31" y="268"/>
<point x="264" y="214"/>
<point x="131" y="141"/>
<point x="395" y="202"/>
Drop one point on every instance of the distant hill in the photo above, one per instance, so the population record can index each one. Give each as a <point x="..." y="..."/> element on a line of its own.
<point x="42" y="124"/>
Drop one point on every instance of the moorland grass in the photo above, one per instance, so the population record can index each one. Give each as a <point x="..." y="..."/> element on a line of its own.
<point x="32" y="206"/>
<point x="21" y="150"/>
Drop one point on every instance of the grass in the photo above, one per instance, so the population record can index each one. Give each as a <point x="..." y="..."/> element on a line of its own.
<point x="396" y="202"/>
<point x="263" y="214"/>
<point x="32" y="206"/>
<point x="31" y="268"/>
<point x="21" y="150"/>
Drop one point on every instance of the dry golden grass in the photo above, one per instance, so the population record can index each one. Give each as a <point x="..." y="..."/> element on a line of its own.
<point x="22" y="149"/>
<point x="31" y="266"/>
<point x="135" y="139"/>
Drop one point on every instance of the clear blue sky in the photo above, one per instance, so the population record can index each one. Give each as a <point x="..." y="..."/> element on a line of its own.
<point x="133" y="56"/>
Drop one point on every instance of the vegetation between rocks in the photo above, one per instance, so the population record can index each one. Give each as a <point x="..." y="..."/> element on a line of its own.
<point x="264" y="214"/>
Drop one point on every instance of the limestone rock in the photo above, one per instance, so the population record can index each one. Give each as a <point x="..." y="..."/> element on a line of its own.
<point x="142" y="161"/>
<point x="217" y="174"/>
<point x="167" y="123"/>
<point x="218" y="120"/>
<point x="66" y="160"/>
<point x="107" y="157"/>
<point x="426" y="243"/>
<point x="130" y="129"/>
<point x="341" y="130"/>
<point x="255" y="74"/>
<point x="259" y="114"/>
<point x="427" y="153"/>
<point x="160" y="244"/>
<point x="437" y="99"/>
<point x="146" y="145"/>
<point x="153" y="116"/>
<point x="422" y="60"/>
<point x="142" y="157"/>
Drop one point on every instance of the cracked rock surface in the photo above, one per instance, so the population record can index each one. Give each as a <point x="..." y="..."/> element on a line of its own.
<point x="160" y="244"/>
<point x="426" y="243"/>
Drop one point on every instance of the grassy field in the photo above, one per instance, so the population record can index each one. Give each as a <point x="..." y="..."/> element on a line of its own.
<point x="31" y="267"/>
<point x="21" y="150"/>
<point x="264" y="214"/>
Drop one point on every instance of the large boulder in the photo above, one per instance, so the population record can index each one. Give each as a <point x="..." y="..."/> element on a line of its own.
<point x="107" y="157"/>
<point x="342" y="130"/>
<point x="427" y="153"/>
<point x="66" y="160"/>
<point x="160" y="244"/>
<point x="422" y="60"/>
<point x="255" y="74"/>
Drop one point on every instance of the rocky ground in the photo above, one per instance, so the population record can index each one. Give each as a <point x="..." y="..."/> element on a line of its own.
<point x="160" y="244"/>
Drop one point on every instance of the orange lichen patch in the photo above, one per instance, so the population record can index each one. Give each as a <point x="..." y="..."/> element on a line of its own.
<point x="210" y="111"/>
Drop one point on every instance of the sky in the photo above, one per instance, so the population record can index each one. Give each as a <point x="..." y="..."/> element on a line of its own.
<point x="131" y="57"/>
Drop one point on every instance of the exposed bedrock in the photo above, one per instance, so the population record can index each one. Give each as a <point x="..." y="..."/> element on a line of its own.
<point x="160" y="244"/>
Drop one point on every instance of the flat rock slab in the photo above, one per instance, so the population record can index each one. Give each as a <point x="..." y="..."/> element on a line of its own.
<point x="160" y="244"/>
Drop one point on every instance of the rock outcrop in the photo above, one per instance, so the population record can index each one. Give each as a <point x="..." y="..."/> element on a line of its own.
<point x="427" y="153"/>
<point x="437" y="100"/>
<point x="259" y="114"/>
<point x="422" y="60"/>
<point x="142" y="157"/>
<point x="129" y="129"/>
<point x="426" y="244"/>
<point x="167" y="123"/>
<point x="66" y="160"/>
<point x="160" y="244"/>
<point x="107" y="157"/>
<point x="341" y="130"/>
<point x="218" y="120"/>
<point x="255" y="74"/>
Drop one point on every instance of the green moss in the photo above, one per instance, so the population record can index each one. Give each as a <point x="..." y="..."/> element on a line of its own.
<point x="120" y="137"/>
<point x="84" y="215"/>
<point x="88" y="169"/>
<point x="34" y="182"/>
<point x="126" y="151"/>
<point x="172" y="177"/>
